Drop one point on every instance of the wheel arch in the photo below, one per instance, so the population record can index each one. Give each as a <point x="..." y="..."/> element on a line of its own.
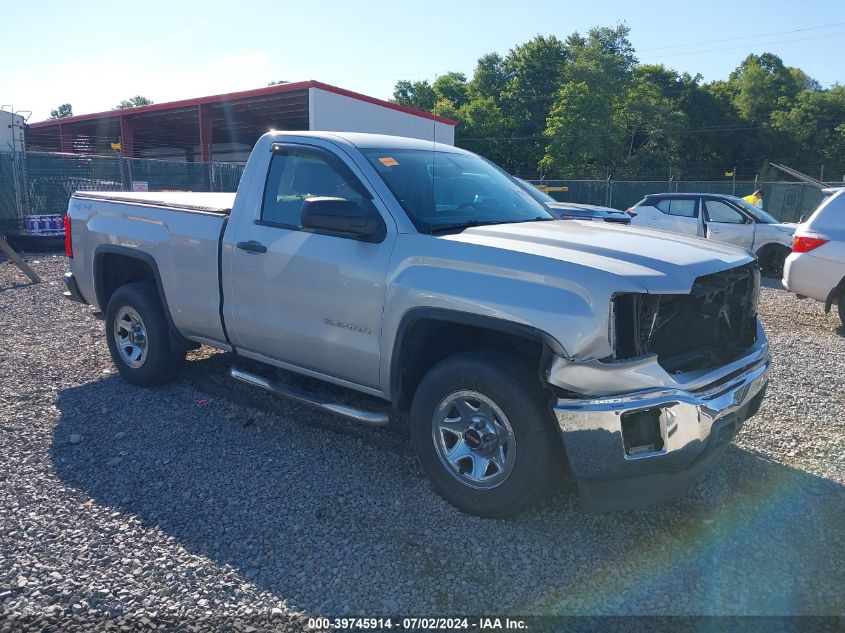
<point x="414" y="354"/>
<point x="836" y="294"/>
<point x="115" y="266"/>
<point x="763" y="252"/>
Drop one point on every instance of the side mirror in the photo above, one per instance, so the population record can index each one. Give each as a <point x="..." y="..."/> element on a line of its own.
<point x="343" y="217"/>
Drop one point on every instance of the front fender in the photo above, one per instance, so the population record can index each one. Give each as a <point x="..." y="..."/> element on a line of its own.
<point x="567" y="304"/>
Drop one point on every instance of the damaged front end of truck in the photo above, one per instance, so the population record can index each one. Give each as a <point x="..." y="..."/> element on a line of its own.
<point x="687" y="370"/>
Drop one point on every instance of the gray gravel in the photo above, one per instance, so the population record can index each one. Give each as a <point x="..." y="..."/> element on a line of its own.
<point x="205" y="501"/>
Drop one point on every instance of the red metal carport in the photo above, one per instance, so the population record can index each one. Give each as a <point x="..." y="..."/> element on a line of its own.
<point x="221" y="126"/>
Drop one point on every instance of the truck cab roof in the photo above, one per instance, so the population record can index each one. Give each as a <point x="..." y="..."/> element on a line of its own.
<point x="365" y="140"/>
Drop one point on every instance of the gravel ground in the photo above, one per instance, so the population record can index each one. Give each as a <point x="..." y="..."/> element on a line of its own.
<point x="206" y="501"/>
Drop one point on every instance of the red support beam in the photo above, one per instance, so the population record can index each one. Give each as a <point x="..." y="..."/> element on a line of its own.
<point x="65" y="144"/>
<point x="127" y="137"/>
<point x="204" y="119"/>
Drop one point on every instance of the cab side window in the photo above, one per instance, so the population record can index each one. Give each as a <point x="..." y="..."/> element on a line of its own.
<point x="299" y="174"/>
<point x="681" y="207"/>
<point x="720" y="212"/>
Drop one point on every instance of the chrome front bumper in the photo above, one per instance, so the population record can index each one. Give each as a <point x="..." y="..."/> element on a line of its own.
<point x="690" y="429"/>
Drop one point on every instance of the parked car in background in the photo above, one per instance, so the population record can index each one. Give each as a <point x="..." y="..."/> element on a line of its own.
<point x="816" y="267"/>
<point x="574" y="210"/>
<point x="722" y="218"/>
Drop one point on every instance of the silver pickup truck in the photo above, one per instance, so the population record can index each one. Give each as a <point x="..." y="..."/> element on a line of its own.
<point x="423" y="276"/>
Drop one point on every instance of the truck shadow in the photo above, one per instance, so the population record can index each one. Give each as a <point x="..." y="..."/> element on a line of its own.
<point x="326" y="516"/>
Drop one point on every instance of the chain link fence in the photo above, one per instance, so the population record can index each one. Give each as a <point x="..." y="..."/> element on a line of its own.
<point x="786" y="201"/>
<point x="41" y="183"/>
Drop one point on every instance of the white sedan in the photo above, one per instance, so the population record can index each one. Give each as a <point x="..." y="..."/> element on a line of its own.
<point x="722" y="218"/>
<point x="816" y="267"/>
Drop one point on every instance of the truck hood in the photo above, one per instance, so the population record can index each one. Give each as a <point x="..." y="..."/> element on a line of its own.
<point x="657" y="260"/>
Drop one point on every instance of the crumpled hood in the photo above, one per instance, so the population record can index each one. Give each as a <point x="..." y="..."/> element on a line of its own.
<point x="786" y="227"/>
<point x="657" y="260"/>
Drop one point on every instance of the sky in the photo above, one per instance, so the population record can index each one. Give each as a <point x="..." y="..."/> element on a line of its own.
<point x="93" y="54"/>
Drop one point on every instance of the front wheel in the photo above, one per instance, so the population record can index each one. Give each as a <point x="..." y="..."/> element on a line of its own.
<point x="485" y="434"/>
<point x="772" y="260"/>
<point x="138" y="336"/>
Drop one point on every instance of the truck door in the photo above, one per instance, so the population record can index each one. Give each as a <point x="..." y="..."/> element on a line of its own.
<point x="724" y="223"/>
<point x="303" y="298"/>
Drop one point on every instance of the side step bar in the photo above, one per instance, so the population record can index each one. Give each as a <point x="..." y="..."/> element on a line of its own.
<point x="312" y="399"/>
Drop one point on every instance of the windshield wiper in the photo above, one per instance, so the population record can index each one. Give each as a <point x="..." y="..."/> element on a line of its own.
<point x="445" y="228"/>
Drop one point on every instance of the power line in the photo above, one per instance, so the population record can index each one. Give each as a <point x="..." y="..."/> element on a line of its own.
<point x="752" y="45"/>
<point x="732" y="39"/>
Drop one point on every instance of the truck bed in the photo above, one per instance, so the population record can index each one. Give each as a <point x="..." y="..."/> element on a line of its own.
<point x="190" y="201"/>
<point x="179" y="231"/>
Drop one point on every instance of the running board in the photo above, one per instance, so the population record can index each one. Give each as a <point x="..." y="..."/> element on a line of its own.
<point x="312" y="399"/>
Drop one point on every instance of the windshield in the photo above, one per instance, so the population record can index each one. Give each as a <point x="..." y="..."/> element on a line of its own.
<point x="534" y="192"/>
<point x="758" y="214"/>
<point x="441" y="191"/>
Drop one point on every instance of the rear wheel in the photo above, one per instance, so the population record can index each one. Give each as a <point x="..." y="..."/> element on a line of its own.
<point x="842" y="309"/>
<point x="485" y="434"/>
<point x="138" y="336"/>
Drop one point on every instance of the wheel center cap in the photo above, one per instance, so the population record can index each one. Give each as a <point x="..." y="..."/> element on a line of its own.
<point x="472" y="438"/>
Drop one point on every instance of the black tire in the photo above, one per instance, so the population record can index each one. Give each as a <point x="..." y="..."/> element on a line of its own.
<point x="516" y="390"/>
<point x="162" y="361"/>
<point x="772" y="259"/>
<point x="842" y="309"/>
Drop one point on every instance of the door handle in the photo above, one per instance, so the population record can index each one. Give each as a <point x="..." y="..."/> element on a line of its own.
<point x="252" y="247"/>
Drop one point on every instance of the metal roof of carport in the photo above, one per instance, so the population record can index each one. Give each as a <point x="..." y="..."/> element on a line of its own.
<point x="236" y="117"/>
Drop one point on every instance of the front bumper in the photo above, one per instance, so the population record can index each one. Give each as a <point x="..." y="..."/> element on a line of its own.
<point x="688" y="431"/>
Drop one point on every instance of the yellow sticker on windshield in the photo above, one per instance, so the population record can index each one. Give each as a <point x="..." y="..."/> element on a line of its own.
<point x="388" y="161"/>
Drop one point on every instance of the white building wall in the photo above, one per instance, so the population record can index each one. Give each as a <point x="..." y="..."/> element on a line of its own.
<point x="331" y="111"/>
<point x="11" y="132"/>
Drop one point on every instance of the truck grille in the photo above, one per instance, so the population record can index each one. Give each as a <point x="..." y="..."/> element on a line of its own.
<point x="714" y="324"/>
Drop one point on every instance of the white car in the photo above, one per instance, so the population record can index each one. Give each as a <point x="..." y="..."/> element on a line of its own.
<point x="722" y="218"/>
<point x="816" y="267"/>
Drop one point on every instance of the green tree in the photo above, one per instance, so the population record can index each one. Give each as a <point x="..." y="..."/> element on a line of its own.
<point x="814" y="124"/>
<point x="534" y="71"/>
<point x="584" y="105"/>
<point x="489" y="79"/>
<point x="762" y="84"/>
<point x="451" y="87"/>
<point x="605" y="57"/>
<point x="483" y="129"/>
<point x="133" y="102"/>
<point x="587" y="106"/>
<point x="652" y="125"/>
<point x="278" y="83"/>
<point x="62" y="111"/>
<point x="584" y="139"/>
<point x="415" y="94"/>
